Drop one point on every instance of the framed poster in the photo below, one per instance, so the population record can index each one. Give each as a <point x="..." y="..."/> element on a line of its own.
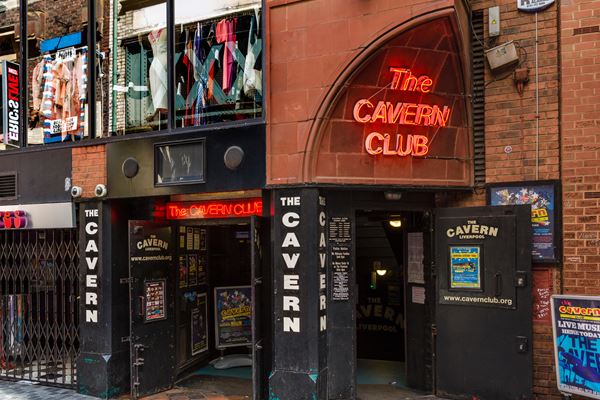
<point x="183" y="272"/>
<point x="544" y="198"/>
<point x="576" y="335"/>
<point x="155" y="308"/>
<point x="199" y="326"/>
<point x="465" y="267"/>
<point x="201" y="269"/>
<point x="192" y="269"/>
<point x="233" y="316"/>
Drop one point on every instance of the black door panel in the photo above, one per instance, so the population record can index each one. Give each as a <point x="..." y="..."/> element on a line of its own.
<point x="152" y="305"/>
<point x="483" y="317"/>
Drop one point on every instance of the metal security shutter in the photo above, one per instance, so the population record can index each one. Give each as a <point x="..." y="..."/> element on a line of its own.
<point x="478" y="99"/>
<point x="39" y="305"/>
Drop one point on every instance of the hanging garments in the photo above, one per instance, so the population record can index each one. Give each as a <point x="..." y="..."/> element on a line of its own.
<point x="47" y="106"/>
<point x="158" y="69"/>
<point x="226" y="34"/>
<point x="37" y="85"/>
<point x="252" y="76"/>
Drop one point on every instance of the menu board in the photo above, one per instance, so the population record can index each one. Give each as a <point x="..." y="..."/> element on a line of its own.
<point x="199" y="326"/>
<point x="154" y="299"/>
<point x="340" y="247"/>
<point x="233" y="316"/>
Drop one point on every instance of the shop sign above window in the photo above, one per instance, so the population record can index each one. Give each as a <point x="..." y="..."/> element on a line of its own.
<point x="533" y="5"/>
<point x="10" y="103"/>
<point x="368" y="111"/>
<point x="215" y="209"/>
<point x="13" y="219"/>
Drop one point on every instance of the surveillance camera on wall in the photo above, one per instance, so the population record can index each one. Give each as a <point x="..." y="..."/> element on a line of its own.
<point x="101" y="190"/>
<point x="76" y="191"/>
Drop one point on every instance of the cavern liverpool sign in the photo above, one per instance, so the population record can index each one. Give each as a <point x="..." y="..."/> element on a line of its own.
<point x="368" y="111"/>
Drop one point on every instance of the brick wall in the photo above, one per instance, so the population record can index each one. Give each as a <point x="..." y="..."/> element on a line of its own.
<point x="510" y="121"/>
<point x="580" y="126"/>
<point x="89" y="168"/>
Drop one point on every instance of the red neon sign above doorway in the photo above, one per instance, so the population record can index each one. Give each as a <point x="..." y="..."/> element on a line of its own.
<point x="237" y="208"/>
<point x="367" y="111"/>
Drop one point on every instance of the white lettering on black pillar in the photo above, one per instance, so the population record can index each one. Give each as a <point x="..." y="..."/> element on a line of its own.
<point x="291" y="251"/>
<point x="91" y="264"/>
<point x="322" y="266"/>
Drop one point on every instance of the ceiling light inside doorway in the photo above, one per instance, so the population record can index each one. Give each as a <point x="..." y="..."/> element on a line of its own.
<point x="395" y="223"/>
<point x="381" y="272"/>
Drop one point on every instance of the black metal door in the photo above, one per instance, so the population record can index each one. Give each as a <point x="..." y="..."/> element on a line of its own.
<point x="152" y="307"/>
<point x="483" y="317"/>
<point x="261" y="311"/>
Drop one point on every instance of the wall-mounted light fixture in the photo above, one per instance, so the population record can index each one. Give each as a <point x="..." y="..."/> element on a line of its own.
<point x="395" y="223"/>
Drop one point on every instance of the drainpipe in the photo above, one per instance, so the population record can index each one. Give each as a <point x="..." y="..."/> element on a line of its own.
<point x="113" y="54"/>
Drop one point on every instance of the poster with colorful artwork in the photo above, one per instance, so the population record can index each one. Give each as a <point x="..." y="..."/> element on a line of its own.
<point x="576" y="333"/>
<point x="233" y="312"/>
<point x="542" y="198"/>
<point x="465" y="267"/>
<point x="199" y="326"/>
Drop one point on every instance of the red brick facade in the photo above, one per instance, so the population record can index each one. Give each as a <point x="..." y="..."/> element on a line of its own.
<point x="89" y="168"/>
<point x="303" y="68"/>
<point x="580" y="145"/>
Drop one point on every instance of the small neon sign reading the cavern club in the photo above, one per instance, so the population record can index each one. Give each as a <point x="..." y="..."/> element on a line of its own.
<point x="238" y="208"/>
<point x="368" y="111"/>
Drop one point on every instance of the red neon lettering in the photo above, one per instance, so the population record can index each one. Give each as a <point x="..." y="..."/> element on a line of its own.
<point x="369" y="143"/>
<point x="420" y="147"/>
<point x="358" y="106"/>
<point x="403" y="79"/>
<point x="214" y="209"/>
<point x="402" y="113"/>
<point x="404" y="145"/>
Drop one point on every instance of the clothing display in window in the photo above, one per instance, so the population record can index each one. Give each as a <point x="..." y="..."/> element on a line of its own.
<point x="158" y="69"/>
<point x="218" y="70"/>
<point x="59" y="96"/>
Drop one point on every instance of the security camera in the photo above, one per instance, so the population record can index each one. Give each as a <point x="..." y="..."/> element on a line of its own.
<point x="76" y="191"/>
<point x="101" y="190"/>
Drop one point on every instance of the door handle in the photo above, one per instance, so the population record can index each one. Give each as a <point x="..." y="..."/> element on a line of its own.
<point x="498" y="284"/>
<point x="142" y="309"/>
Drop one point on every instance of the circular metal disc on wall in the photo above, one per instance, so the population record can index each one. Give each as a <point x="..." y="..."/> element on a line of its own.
<point x="130" y="167"/>
<point x="234" y="156"/>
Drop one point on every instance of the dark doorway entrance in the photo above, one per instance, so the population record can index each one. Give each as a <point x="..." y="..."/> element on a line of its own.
<point x="391" y="318"/>
<point x="218" y="284"/>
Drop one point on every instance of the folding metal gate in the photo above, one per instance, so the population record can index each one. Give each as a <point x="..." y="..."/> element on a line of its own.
<point x="39" y="296"/>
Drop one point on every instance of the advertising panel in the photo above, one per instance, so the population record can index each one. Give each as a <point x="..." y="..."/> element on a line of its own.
<point x="465" y="267"/>
<point x="576" y="328"/>
<point x="233" y="316"/>
<point x="544" y="221"/>
<point x="199" y="325"/>
<point x="11" y="105"/>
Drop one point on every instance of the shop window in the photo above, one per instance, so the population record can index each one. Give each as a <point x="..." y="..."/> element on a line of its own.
<point x="57" y="75"/>
<point x="218" y="61"/>
<point x="139" y="76"/>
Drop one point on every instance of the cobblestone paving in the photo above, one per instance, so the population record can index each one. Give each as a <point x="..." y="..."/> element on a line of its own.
<point x="30" y="391"/>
